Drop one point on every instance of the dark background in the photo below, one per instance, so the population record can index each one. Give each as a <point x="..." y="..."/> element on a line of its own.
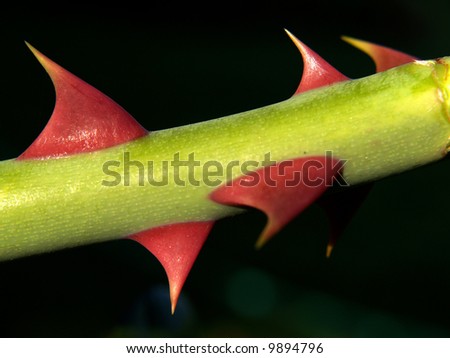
<point x="169" y="66"/>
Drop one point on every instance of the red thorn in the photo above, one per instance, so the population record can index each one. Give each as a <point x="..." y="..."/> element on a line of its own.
<point x="316" y="71"/>
<point x="176" y="247"/>
<point x="384" y="57"/>
<point x="84" y="119"/>
<point x="282" y="190"/>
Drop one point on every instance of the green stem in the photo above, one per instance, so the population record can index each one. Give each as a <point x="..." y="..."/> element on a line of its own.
<point x="381" y="125"/>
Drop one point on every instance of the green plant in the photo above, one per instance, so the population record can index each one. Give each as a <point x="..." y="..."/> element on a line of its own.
<point x="87" y="177"/>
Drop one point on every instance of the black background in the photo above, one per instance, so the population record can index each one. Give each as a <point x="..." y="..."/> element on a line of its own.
<point x="170" y="65"/>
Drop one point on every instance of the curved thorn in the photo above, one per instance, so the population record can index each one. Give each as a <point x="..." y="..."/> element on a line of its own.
<point x="281" y="191"/>
<point x="384" y="57"/>
<point x="83" y="120"/>
<point x="176" y="246"/>
<point x="316" y="71"/>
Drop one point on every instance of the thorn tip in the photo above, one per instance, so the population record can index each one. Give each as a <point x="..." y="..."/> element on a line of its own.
<point x="329" y="250"/>
<point x="175" y="292"/>
<point x="316" y="71"/>
<point x="262" y="240"/>
<point x="385" y="58"/>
